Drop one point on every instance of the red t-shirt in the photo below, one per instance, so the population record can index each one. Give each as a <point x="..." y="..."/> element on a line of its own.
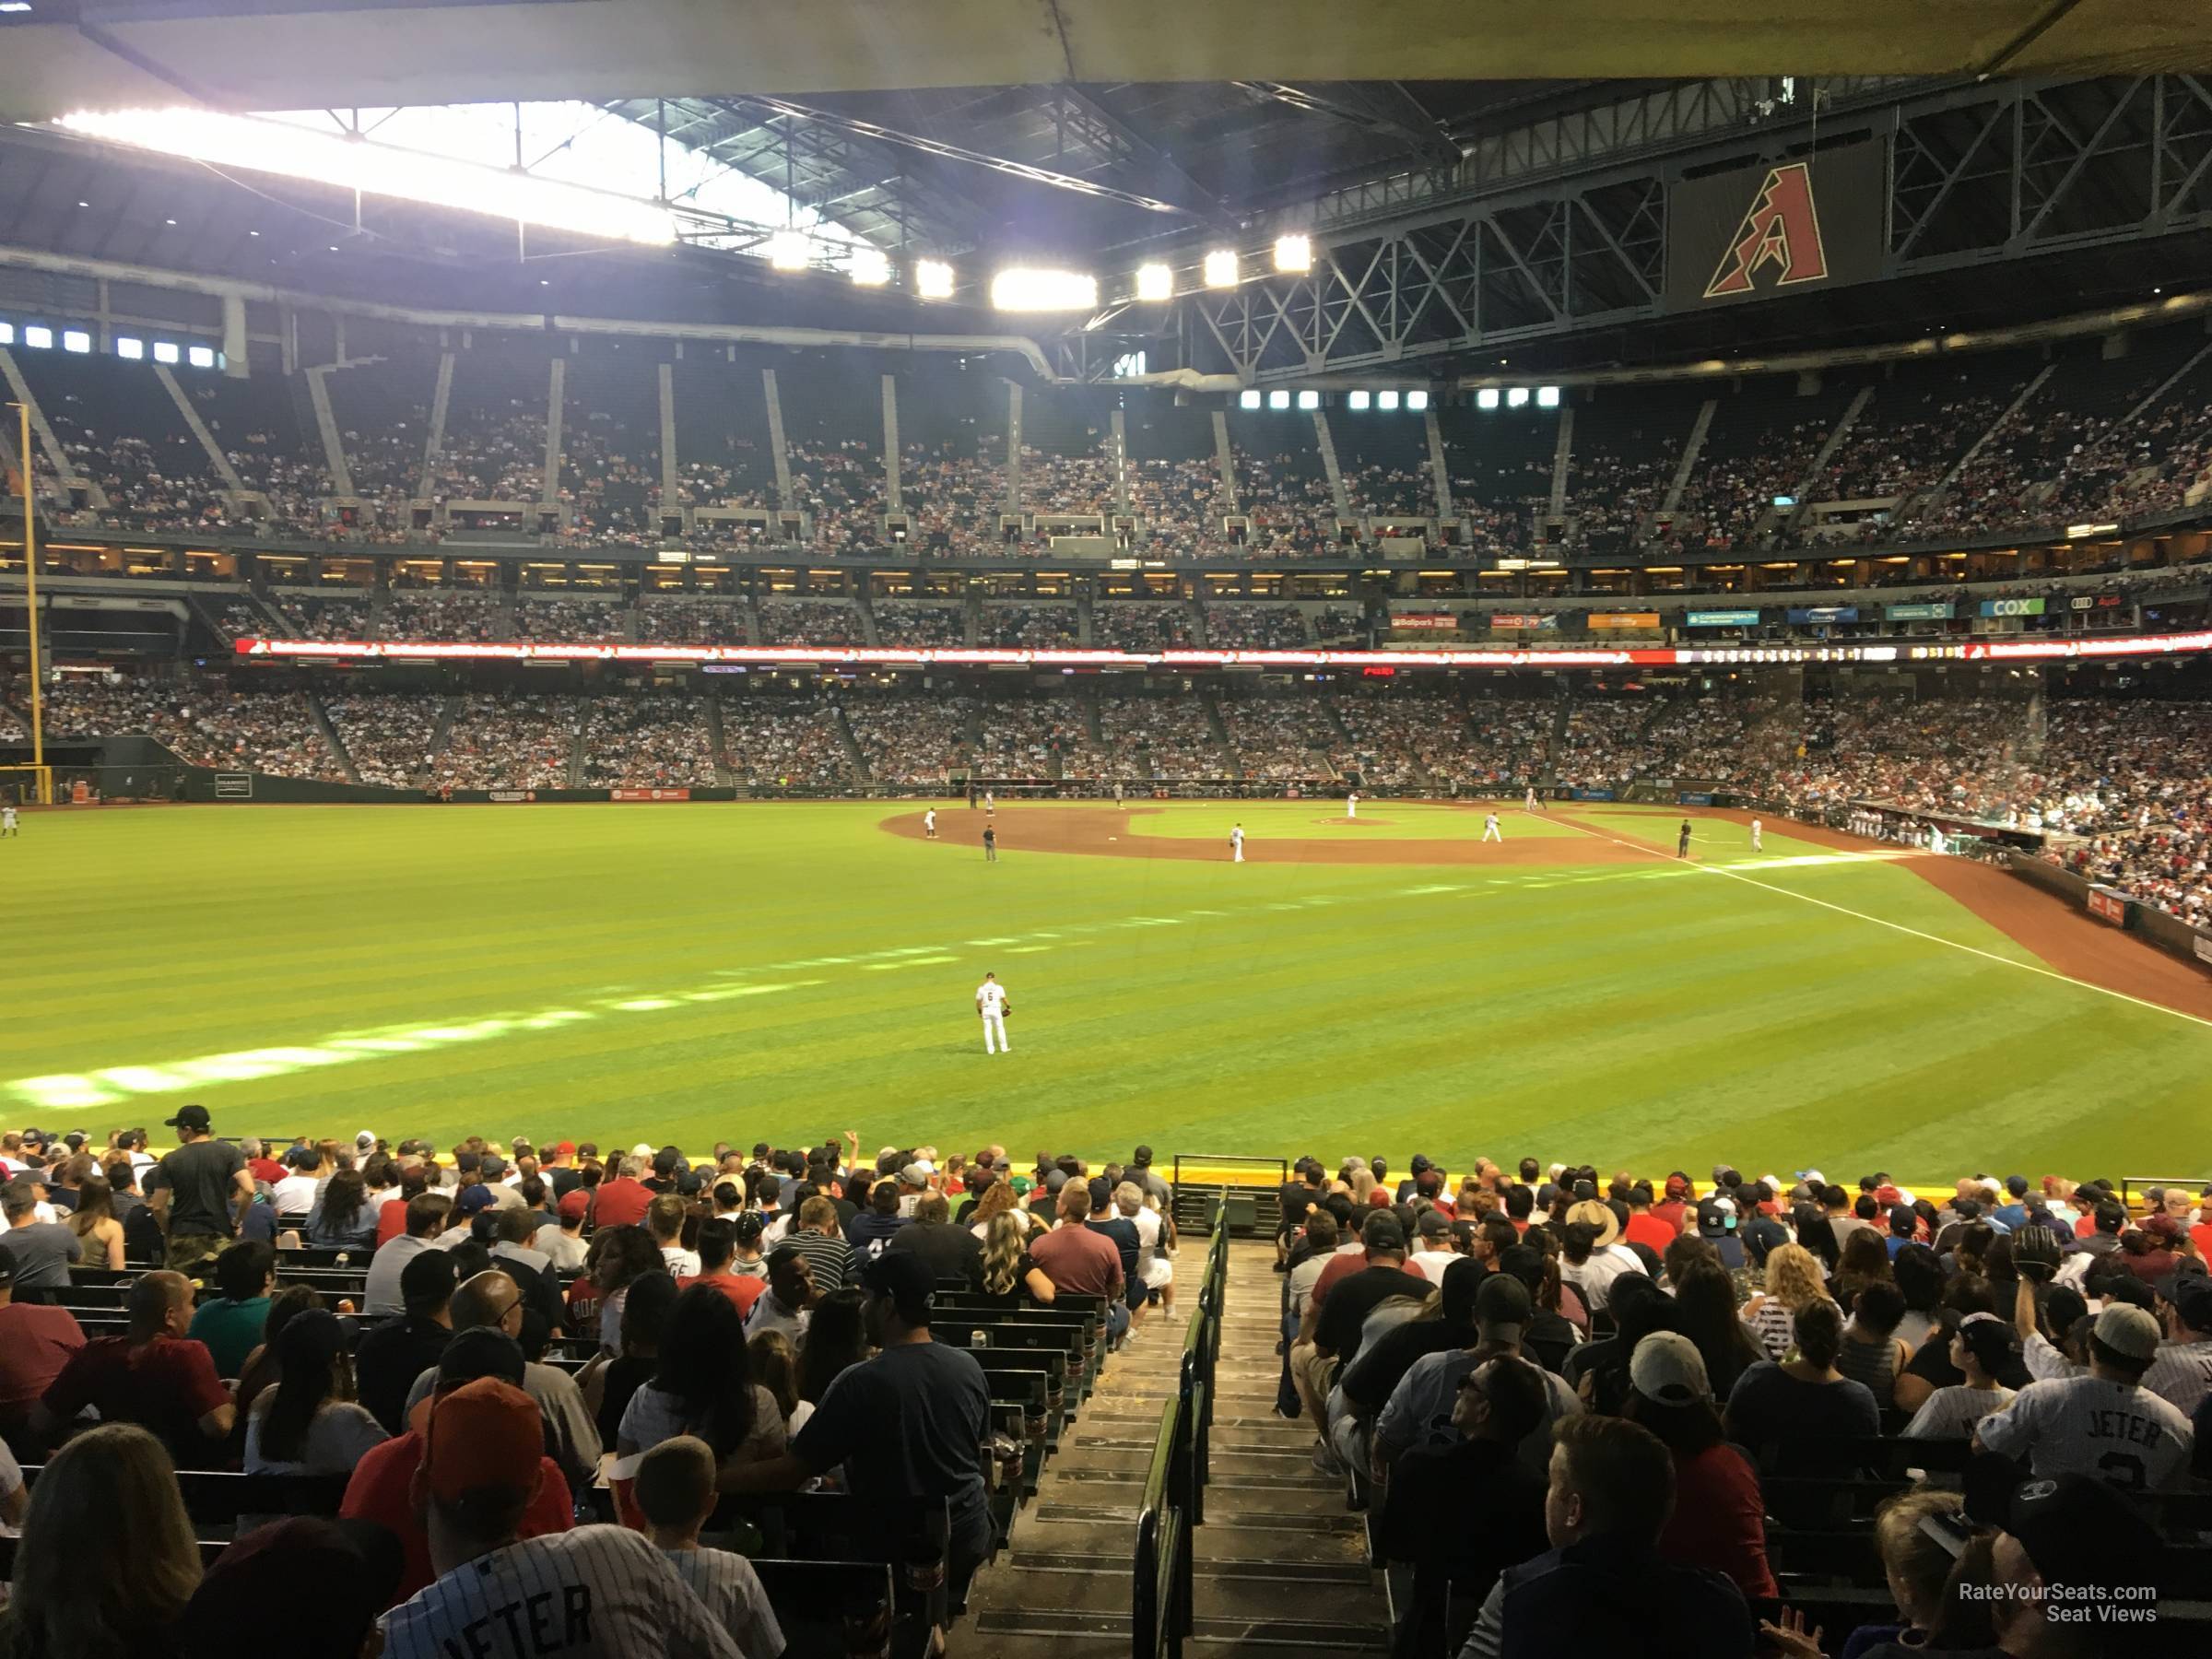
<point x="621" y="1203"/>
<point x="165" y="1386"/>
<point x="1651" y="1231"/>
<point x="2202" y="1233"/>
<point x="378" y="1492"/>
<point x="1672" y="1212"/>
<point x="390" y="1219"/>
<point x="266" y="1168"/>
<point x="35" y="1343"/>
<point x="744" y="1291"/>
<point x="1719" y="1521"/>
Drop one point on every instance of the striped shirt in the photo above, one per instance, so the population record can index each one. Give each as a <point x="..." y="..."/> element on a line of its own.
<point x="596" y="1593"/>
<point x="831" y="1259"/>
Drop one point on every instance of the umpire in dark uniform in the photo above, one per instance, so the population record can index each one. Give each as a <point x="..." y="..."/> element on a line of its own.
<point x="1682" y="841"/>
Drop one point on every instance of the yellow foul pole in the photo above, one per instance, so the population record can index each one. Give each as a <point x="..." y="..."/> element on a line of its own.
<point x="31" y="584"/>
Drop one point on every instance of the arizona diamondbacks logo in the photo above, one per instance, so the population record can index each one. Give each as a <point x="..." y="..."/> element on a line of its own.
<point x="1783" y="227"/>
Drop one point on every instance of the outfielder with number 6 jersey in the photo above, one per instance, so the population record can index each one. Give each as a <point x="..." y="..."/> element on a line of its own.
<point x="990" y="1003"/>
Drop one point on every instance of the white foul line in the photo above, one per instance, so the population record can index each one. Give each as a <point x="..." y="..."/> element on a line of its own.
<point x="2052" y="973"/>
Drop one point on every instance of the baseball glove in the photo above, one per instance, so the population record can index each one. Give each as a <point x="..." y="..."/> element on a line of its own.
<point x="1005" y="1010"/>
<point x="2035" y="1253"/>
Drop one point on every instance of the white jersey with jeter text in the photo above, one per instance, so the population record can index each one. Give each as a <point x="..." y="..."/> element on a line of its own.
<point x="993" y="997"/>
<point x="596" y="1593"/>
<point x="2091" y="1425"/>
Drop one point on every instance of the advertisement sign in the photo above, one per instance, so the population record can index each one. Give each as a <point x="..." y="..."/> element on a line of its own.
<point x="2012" y="607"/>
<point x="512" y="795"/>
<point x="1932" y="611"/>
<point x="1420" y="620"/>
<point x="648" y="794"/>
<point x="1824" y="613"/>
<point x="1693" y="799"/>
<point x="1589" y="794"/>
<point x="1731" y="618"/>
<point x="1623" y="621"/>
<point x="2094" y="602"/>
<point x="1522" y="622"/>
<point x="2109" y="904"/>
<point x="1768" y="229"/>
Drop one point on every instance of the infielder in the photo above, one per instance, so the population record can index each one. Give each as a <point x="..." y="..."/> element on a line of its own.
<point x="1530" y="804"/>
<point x="1236" y="844"/>
<point x="929" y="825"/>
<point x="7" y="823"/>
<point x="990" y="806"/>
<point x="1352" y="805"/>
<point x="992" y="1005"/>
<point x="1755" y="828"/>
<point x="1490" y="831"/>
<point x="1117" y="794"/>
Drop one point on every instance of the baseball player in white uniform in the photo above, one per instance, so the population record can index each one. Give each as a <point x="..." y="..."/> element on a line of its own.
<point x="929" y="825"/>
<point x="1352" y="805"/>
<point x="1755" y="829"/>
<point x="7" y="823"/>
<point x="1236" y="844"/>
<point x="990" y="806"/>
<point x="990" y="1003"/>
<point x="1490" y="832"/>
<point x="1530" y="803"/>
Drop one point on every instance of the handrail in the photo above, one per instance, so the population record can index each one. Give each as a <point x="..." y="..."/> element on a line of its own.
<point x="1163" y="1580"/>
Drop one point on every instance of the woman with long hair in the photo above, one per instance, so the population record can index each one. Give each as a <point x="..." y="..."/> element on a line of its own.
<point x="625" y="1253"/>
<point x="999" y="1199"/>
<point x="106" y="1512"/>
<point x="1705" y="1312"/>
<point x="259" y="1369"/>
<point x="94" y="1223"/>
<point x="1008" y="1268"/>
<point x="1865" y="1261"/>
<point x="837" y="1340"/>
<point x="342" y="1219"/>
<point x="1793" y="1283"/>
<point x="703" y="1385"/>
<point x="645" y="1313"/>
<point x="776" y="1368"/>
<point x="310" y="1423"/>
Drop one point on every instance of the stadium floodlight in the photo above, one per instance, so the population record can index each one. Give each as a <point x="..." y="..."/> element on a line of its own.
<point x="1516" y="397"/>
<point x="1309" y="400"/>
<point x="1359" y="400"/>
<point x="76" y="340"/>
<point x="1417" y="401"/>
<point x="933" y="279"/>
<point x="353" y="162"/>
<point x="8" y="334"/>
<point x="1278" y="400"/>
<point x="128" y="346"/>
<point x="870" y="267"/>
<point x="1155" y="282"/>
<point x="1248" y="400"/>
<point x="1486" y="398"/>
<point x="1547" y="397"/>
<point x="165" y="352"/>
<point x="1028" y="288"/>
<point x="1386" y="400"/>
<point x="201" y="357"/>
<point x="1293" y="254"/>
<point x="38" y="336"/>
<point x="1221" y="268"/>
<point x="790" y="251"/>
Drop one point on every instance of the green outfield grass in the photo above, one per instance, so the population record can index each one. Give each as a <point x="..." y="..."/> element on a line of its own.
<point x="789" y="971"/>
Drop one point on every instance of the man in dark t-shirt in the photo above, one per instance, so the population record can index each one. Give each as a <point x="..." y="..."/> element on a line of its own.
<point x="951" y="1252"/>
<point x="196" y="1189"/>
<point x="1121" y="1233"/>
<point x="908" y="1426"/>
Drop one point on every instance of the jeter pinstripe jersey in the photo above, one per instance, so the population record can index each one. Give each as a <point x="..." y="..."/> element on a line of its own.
<point x="596" y="1593"/>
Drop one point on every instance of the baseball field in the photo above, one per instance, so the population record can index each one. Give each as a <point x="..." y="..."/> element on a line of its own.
<point x="788" y="971"/>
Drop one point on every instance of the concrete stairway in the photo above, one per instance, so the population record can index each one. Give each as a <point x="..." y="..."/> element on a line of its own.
<point x="1277" y="1538"/>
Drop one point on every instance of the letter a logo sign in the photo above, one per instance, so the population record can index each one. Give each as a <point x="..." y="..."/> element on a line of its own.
<point x="1781" y="228"/>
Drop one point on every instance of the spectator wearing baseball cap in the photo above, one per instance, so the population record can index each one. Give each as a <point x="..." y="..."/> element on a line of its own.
<point x="481" y="1471"/>
<point x="352" y="1567"/>
<point x="909" y="1426"/>
<point x="390" y="1355"/>
<point x="1603" y="1587"/>
<point x="196" y="1192"/>
<point x="1984" y="1348"/>
<point x="2080" y="1425"/>
<point x="1719" y="1521"/>
<point x="561" y="1240"/>
<point x="379" y="1487"/>
<point x="1716" y="1222"/>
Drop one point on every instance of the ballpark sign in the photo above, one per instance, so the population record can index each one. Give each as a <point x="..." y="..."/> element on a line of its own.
<point x="1776" y="228"/>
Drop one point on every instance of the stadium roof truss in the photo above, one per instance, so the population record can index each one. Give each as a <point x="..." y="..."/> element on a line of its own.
<point x="1563" y="227"/>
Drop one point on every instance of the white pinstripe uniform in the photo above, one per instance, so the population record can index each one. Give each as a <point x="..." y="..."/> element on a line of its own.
<point x="990" y="1003"/>
<point x="596" y="1593"/>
